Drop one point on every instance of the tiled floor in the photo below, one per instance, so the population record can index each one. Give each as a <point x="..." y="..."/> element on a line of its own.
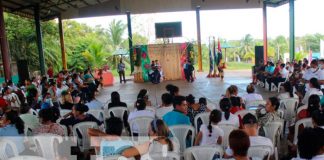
<point x="211" y="88"/>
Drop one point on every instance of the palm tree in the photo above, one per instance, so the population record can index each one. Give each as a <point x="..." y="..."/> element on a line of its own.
<point x="95" y="55"/>
<point x="247" y="44"/>
<point x="115" y="32"/>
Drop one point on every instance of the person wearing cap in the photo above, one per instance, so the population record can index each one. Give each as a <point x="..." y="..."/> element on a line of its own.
<point x="78" y="115"/>
<point x="250" y="127"/>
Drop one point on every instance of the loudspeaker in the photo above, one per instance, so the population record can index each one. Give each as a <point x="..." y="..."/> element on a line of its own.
<point x="23" y="71"/>
<point x="259" y="56"/>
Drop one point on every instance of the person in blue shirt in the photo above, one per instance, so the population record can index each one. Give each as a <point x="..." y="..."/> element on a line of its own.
<point x="12" y="128"/>
<point x="179" y="115"/>
<point x="110" y="141"/>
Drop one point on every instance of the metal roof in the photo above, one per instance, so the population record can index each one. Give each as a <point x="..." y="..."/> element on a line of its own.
<point x="69" y="9"/>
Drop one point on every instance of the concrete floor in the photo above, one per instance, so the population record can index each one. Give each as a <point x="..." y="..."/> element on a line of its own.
<point x="211" y="88"/>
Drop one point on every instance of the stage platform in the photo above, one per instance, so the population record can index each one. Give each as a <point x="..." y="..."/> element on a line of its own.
<point x="211" y="88"/>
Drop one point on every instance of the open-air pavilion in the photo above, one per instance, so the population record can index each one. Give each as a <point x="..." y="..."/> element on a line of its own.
<point x="41" y="10"/>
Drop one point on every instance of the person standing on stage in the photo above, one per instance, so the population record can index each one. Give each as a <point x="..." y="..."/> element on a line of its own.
<point x="190" y="70"/>
<point x="185" y="70"/>
<point x="121" y="71"/>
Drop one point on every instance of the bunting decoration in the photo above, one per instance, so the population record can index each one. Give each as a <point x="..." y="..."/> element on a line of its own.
<point x="211" y="60"/>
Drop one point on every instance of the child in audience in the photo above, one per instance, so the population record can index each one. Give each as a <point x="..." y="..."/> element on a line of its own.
<point x="210" y="134"/>
<point x="227" y="116"/>
<point x="194" y="108"/>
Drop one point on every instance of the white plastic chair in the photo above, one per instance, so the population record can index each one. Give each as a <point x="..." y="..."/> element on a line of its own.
<point x="281" y="83"/>
<point x="118" y="112"/>
<point x="181" y="132"/>
<point x="307" y="122"/>
<point x="64" y="112"/>
<point x="160" y="112"/>
<point x="289" y="106"/>
<point x="141" y="124"/>
<point x="204" y="117"/>
<point x="66" y="133"/>
<point x="27" y="158"/>
<point x="273" y="131"/>
<point x="46" y="145"/>
<point x="203" y="152"/>
<point x="114" y="157"/>
<point x="260" y="151"/>
<point x="27" y="130"/>
<point x="82" y="129"/>
<point x="242" y="113"/>
<point x="254" y="104"/>
<point x="266" y="85"/>
<point x="98" y="113"/>
<point x="4" y="144"/>
<point x="164" y="156"/>
<point x="227" y="128"/>
<point x="34" y="112"/>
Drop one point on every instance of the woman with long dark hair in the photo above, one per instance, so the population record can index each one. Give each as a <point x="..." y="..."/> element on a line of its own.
<point x="227" y="117"/>
<point x="115" y="101"/>
<point x="288" y="91"/>
<point x="210" y="134"/>
<point x="12" y="127"/>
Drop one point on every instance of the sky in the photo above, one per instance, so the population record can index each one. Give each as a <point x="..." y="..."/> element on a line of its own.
<point x="227" y="24"/>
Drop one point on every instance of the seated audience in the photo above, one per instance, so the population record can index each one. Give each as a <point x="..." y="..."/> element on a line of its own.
<point x="236" y="101"/>
<point x="78" y="115"/>
<point x="47" y="124"/>
<point x="269" y="113"/>
<point x="311" y="144"/>
<point x="159" y="142"/>
<point x="313" y="105"/>
<point x="139" y="112"/>
<point x="227" y="116"/>
<point x="194" y="108"/>
<point x="94" y="104"/>
<point x="110" y="141"/>
<point x="280" y="77"/>
<point x="210" y="134"/>
<point x="250" y="127"/>
<point x="66" y="100"/>
<point x="311" y="72"/>
<point x="12" y="127"/>
<point x="251" y="96"/>
<point x="179" y="114"/>
<point x="166" y="105"/>
<point x="314" y="88"/>
<point x="239" y="143"/>
<point x="115" y="101"/>
<point x="172" y="89"/>
<point x="143" y="94"/>
<point x="288" y="92"/>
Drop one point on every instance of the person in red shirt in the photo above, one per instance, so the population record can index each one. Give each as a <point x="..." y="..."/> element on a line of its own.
<point x="50" y="72"/>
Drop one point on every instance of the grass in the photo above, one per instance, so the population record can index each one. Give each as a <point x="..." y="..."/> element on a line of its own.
<point x="238" y="65"/>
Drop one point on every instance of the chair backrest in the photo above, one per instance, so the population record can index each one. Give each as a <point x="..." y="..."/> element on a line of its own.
<point x="204" y="117"/>
<point x="140" y="125"/>
<point x="203" y="152"/>
<point x="27" y="158"/>
<point x="307" y="122"/>
<point x="64" y="112"/>
<point x="227" y="128"/>
<point x="242" y="113"/>
<point x="289" y="106"/>
<point x="254" y="104"/>
<point x="27" y="130"/>
<point x="181" y="132"/>
<point x="273" y="130"/>
<point x="66" y="133"/>
<point x="164" y="156"/>
<point x="46" y="145"/>
<point x="81" y="129"/>
<point x="281" y="113"/>
<point x="160" y="112"/>
<point x="117" y="112"/>
<point x="260" y="151"/>
<point x="98" y="113"/>
<point x="34" y="112"/>
<point x="6" y="146"/>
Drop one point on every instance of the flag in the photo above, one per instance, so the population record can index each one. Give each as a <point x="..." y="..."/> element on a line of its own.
<point x="211" y="62"/>
<point x="219" y="53"/>
<point x="215" y="57"/>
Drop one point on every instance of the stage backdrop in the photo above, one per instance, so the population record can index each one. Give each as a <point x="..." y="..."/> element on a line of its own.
<point x="169" y="57"/>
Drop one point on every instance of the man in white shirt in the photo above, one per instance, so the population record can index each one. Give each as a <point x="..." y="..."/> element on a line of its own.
<point x="312" y="72"/>
<point x="94" y="104"/>
<point x="139" y="112"/>
<point x="251" y="96"/>
<point x="321" y="73"/>
<point x="250" y="126"/>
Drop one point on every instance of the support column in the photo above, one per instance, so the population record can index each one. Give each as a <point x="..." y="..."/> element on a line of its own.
<point x="292" y="29"/>
<point x="39" y="39"/>
<point x="130" y="41"/>
<point x="199" y="39"/>
<point x="62" y="42"/>
<point x="4" y="46"/>
<point x="265" y="33"/>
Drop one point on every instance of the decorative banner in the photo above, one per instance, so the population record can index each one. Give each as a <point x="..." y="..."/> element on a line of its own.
<point x="145" y="62"/>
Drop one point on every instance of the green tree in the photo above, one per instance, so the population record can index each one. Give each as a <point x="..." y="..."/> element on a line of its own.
<point x="116" y="30"/>
<point x="247" y="45"/>
<point x="95" y="56"/>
